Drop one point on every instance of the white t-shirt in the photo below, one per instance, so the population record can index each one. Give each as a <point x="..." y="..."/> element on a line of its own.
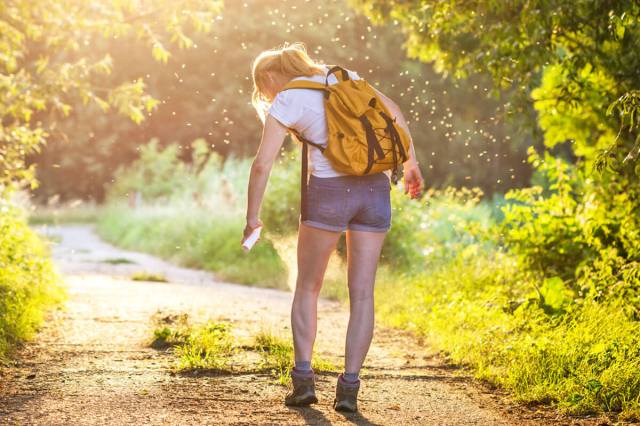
<point x="303" y="111"/>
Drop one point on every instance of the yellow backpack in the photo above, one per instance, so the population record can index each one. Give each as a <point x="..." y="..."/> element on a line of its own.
<point x="363" y="139"/>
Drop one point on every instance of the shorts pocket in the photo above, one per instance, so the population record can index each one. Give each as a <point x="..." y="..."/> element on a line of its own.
<point x="381" y="197"/>
<point x="327" y="204"/>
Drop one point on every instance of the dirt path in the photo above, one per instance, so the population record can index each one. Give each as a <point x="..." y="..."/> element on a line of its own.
<point x="92" y="365"/>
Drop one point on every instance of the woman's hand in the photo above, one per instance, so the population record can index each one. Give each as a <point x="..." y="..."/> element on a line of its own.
<point x="413" y="181"/>
<point x="252" y="224"/>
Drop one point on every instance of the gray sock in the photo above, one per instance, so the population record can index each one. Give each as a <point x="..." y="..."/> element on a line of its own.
<point x="303" y="366"/>
<point x="350" y="377"/>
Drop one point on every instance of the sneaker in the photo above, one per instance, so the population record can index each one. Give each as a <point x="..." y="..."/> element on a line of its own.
<point x="303" y="391"/>
<point x="346" y="395"/>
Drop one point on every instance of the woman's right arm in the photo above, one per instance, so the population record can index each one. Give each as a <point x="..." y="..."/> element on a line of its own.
<point x="273" y="135"/>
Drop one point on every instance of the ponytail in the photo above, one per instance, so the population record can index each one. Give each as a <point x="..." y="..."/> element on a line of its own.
<point x="291" y="61"/>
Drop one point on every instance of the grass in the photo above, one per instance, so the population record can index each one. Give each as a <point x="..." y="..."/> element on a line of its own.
<point x="148" y="276"/>
<point x="118" y="261"/>
<point x="75" y="212"/>
<point x="29" y="284"/>
<point x="200" y="239"/>
<point x="585" y="361"/>
<point x="212" y="347"/>
<point x="172" y="330"/>
<point x="277" y="356"/>
<point x="208" y="346"/>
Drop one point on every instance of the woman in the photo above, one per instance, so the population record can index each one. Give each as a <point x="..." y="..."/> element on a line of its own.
<point x="359" y="205"/>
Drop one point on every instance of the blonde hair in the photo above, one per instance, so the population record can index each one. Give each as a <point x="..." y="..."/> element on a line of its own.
<point x="291" y="61"/>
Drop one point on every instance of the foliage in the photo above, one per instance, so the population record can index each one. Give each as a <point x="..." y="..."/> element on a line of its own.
<point x="49" y="63"/>
<point x="281" y="207"/>
<point x="29" y="284"/>
<point x="589" y="44"/>
<point x="436" y="227"/>
<point x="545" y="228"/>
<point x="574" y="234"/>
<point x="209" y="346"/>
<point x="157" y="173"/>
<point x="472" y="308"/>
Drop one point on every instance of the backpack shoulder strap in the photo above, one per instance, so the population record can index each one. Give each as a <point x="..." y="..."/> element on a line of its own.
<point x="340" y="73"/>
<point x="304" y="84"/>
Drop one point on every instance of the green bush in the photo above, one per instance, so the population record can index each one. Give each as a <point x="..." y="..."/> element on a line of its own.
<point x="29" y="284"/>
<point x="436" y="227"/>
<point x="160" y="175"/>
<point x="483" y="313"/>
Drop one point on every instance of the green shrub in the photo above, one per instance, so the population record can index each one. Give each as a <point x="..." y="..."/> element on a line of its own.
<point x="482" y="313"/>
<point x="29" y="284"/>
<point x="424" y="232"/>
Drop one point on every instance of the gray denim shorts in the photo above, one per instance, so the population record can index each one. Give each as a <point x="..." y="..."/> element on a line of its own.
<point x="358" y="203"/>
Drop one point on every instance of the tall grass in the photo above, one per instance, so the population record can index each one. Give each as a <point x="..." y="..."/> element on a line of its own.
<point x="29" y="284"/>
<point x="277" y="355"/>
<point x="482" y="312"/>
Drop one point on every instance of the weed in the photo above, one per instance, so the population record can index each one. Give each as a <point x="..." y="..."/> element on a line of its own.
<point x="118" y="261"/>
<point x="148" y="276"/>
<point x="277" y="356"/>
<point x="206" y="347"/>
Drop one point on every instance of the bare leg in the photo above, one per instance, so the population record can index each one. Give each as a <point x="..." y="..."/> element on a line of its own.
<point x="363" y="252"/>
<point x="314" y="249"/>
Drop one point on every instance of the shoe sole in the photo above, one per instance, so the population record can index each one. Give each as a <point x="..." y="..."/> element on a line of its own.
<point x="344" y="408"/>
<point x="307" y="400"/>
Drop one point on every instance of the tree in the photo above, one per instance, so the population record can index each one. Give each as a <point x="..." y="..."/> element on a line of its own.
<point x="585" y="51"/>
<point x="48" y="63"/>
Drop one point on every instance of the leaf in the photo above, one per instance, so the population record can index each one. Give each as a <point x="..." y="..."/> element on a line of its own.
<point x="554" y="293"/>
<point x="135" y="114"/>
<point x="594" y="386"/>
<point x="159" y="53"/>
<point x="620" y="28"/>
<point x="104" y="105"/>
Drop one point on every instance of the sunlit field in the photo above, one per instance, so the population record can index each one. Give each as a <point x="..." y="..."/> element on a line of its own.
<point x="521" y="260"/>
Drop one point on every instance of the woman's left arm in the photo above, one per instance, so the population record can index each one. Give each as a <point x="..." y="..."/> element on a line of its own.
<point x="273" y="135"/>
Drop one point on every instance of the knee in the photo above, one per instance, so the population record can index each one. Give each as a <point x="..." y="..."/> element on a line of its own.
<point x="361" y="296"/>
<point x="308" y="288"/>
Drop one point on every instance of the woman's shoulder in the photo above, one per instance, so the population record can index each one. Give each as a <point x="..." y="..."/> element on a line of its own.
<point x="320" y="78"/>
